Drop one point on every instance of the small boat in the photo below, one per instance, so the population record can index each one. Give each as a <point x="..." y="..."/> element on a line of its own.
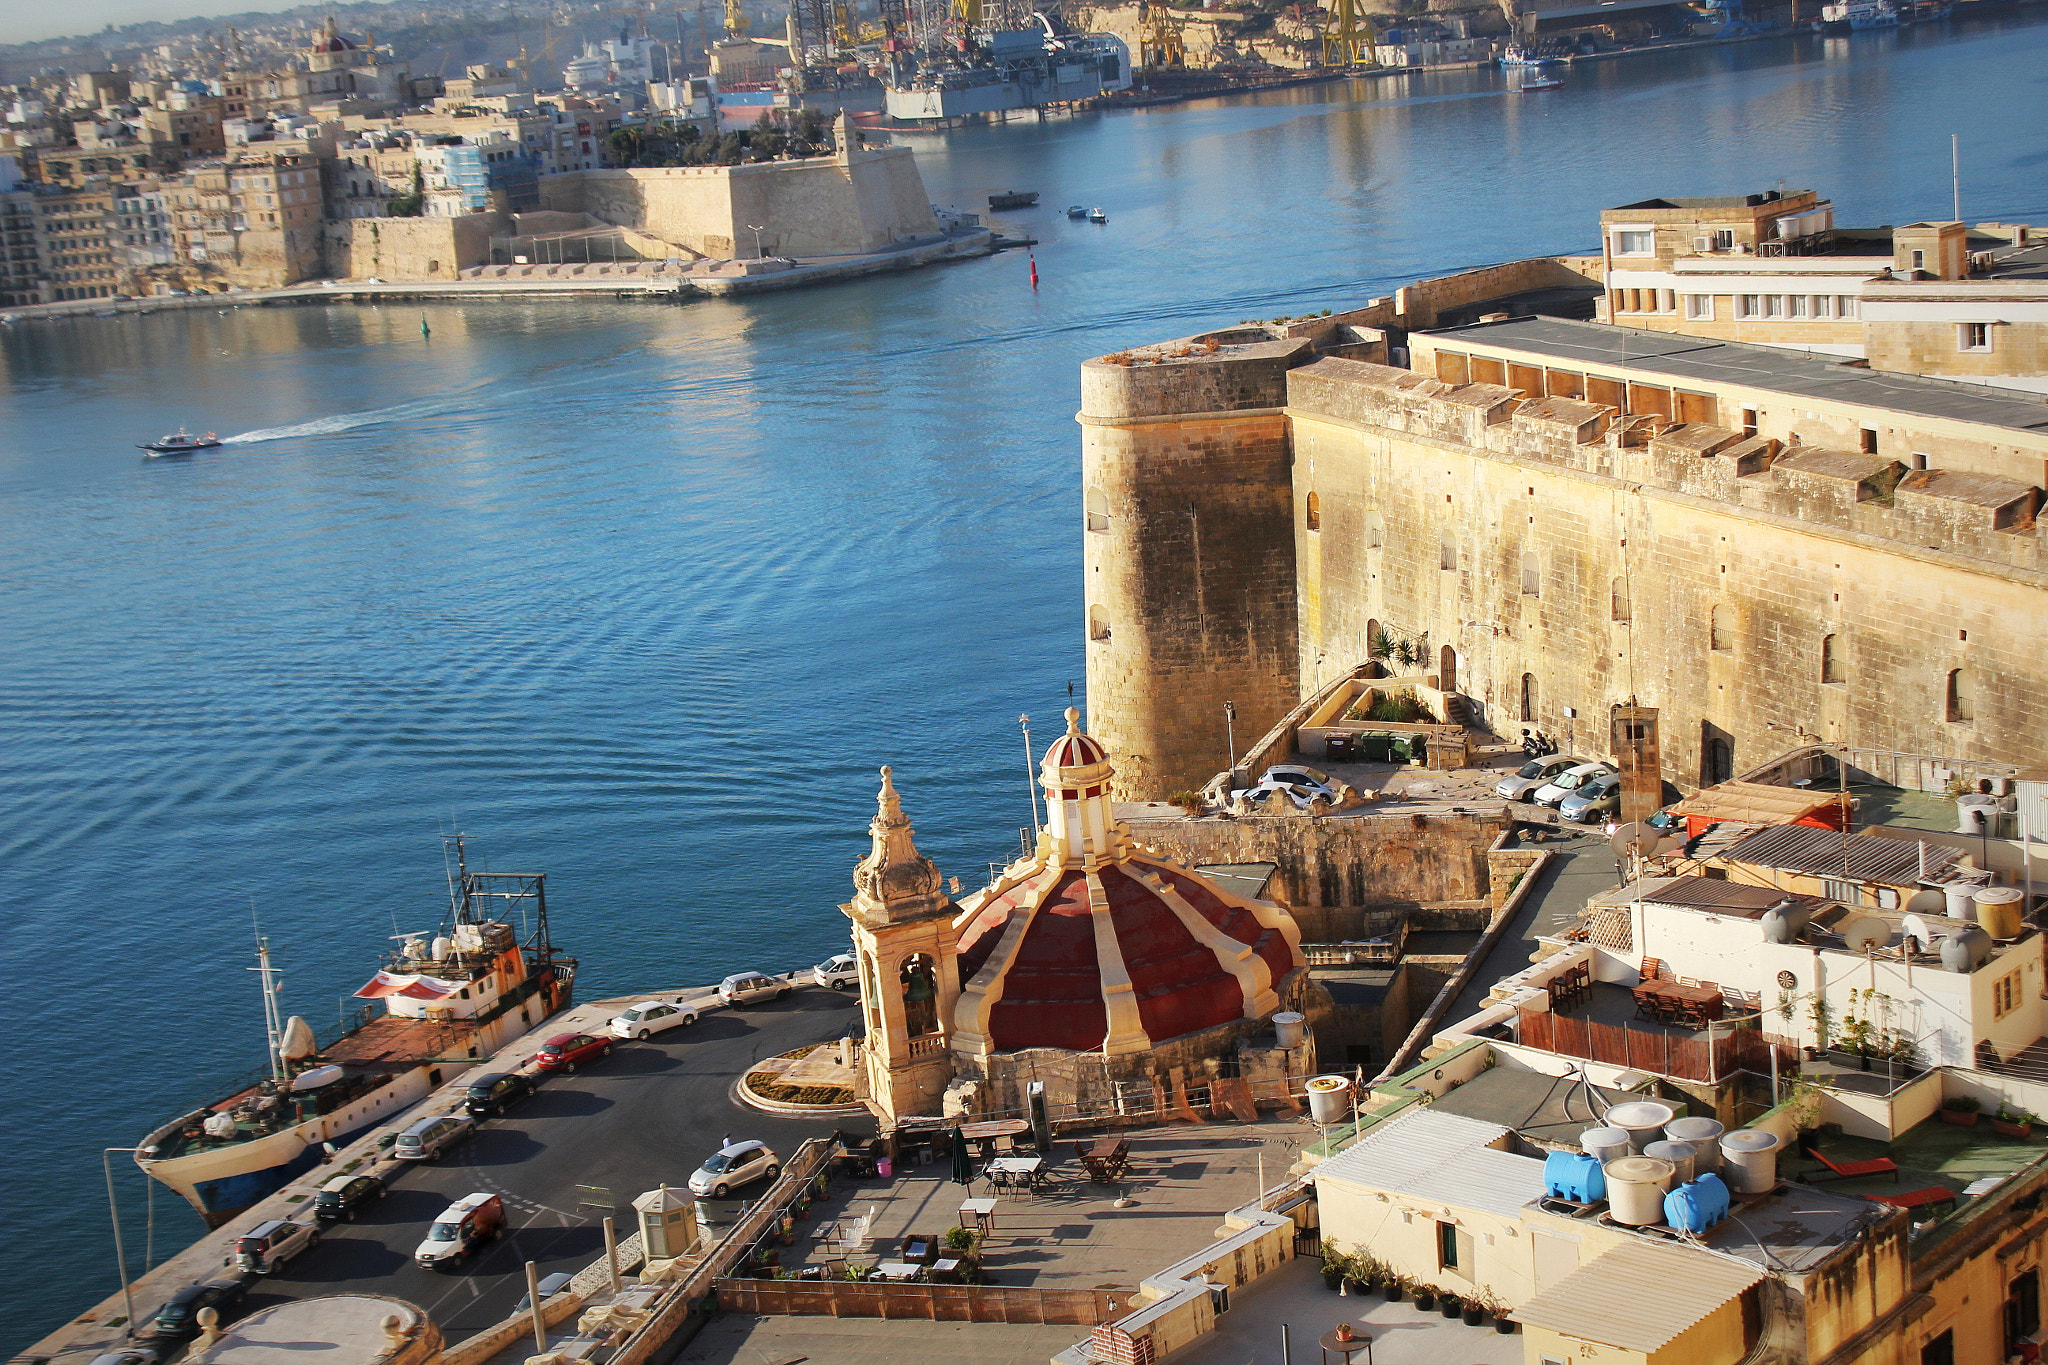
<point x="180" y="442"/>
<point x="1540" y="83"/>
<point x="1097" y="216"/>
<point x="1517" y="55"/>
<point x="1076" y="211"/>
<point x="1013" y="199"/>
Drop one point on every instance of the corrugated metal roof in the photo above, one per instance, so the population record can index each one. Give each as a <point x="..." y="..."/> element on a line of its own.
<point x="1754" y="803"/>
<point x="1820" y="853"/>
<point x="1732" y="898"/>
<point x="1640" y="1296"/>
<point x="1440" y="1159"/>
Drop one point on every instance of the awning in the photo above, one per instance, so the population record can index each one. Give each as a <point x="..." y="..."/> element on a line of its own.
<point x="413" y="987"/>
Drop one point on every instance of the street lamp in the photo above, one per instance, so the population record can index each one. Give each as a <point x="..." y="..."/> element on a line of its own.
<point x="114" y="1213"/>
<point x="755" y="228"/>
<point x="1230" y="737"/>
<point x="1030" y="779"/>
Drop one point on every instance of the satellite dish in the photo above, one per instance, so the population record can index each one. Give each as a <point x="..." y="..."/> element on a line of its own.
<point x="1861" y="935"/>
<point x="1633" y="837"/>
<point x="1919" y="934"/>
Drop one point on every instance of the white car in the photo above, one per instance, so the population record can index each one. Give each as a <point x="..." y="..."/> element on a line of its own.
<point x="748" y="988"/>
<point x="837" y="972"/>
<point x="1533" y="774"/>
<point x="1567" y="782"/>
<point x="738" y="1164"/>
<point x="1300" y="783"/>
<point x="650" y="1017"/>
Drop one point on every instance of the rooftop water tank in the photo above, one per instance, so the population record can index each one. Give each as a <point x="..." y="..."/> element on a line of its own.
<point x="1642" y="1120"/>
<point x="1697" y="1205"/>
<point x="1998" y="910"/>
<point x="1636" y="1186"/>
<point x="1705" y="1137"/>
<point x="1958" y="903"/>
<point x="1329" y="1099"/>
<point x="1604" y="1144"/>
<point x="1749" y="1160"/>
<point x="1783" y="921"/>
<point x="1683" y="1157"/>
<point x="1965" y="950"/>
<point x="1574" y="1176"/>
<point x="1287" y="1028"/>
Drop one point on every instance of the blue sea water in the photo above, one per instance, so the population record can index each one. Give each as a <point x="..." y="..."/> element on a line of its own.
<point x="641" y="595"/>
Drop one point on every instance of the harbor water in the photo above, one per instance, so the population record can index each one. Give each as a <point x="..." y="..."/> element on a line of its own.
<point x="641" y="595"/>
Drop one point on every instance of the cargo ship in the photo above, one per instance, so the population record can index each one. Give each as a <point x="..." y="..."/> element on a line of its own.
<point x="450" y="1000"/>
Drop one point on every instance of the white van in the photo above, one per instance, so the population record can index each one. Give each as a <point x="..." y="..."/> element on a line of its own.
<point x="429" y="1138"/>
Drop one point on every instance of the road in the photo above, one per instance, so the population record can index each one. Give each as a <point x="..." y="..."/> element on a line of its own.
<point x="649" y="1113"/>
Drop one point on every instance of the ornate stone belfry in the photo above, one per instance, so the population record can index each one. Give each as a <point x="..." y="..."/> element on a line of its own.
<point x="909" y="983"/>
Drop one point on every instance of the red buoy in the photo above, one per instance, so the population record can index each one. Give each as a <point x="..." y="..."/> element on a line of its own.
<point x="1034" y="268"/>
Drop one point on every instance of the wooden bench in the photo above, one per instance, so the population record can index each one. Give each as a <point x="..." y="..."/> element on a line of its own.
<point x="1851" y="1170"/>
<point x="1919" y="1199"/>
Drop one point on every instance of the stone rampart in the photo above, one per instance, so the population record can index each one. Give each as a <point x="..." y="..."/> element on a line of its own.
<point x="408" y="248"/>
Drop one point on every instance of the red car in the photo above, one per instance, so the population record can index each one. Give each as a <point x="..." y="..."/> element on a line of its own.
<point x="566" y="1051"/>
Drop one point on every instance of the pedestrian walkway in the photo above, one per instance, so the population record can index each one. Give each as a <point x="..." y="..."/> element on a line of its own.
<point x="1581" y="865"/>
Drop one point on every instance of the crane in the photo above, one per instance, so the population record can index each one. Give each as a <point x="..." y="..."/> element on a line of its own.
<point x="735" y="19"/>
<point x="1159" y="40"/>
<point x="1350" y="41"/>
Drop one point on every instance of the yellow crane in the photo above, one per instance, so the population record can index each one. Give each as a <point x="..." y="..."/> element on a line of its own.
<point x="1159" y="39"/>
<point x="1350" y="39"/>
<point x="735" y="19"/>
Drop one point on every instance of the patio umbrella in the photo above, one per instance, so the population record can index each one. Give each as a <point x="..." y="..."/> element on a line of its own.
<point x="963" y="1166"/>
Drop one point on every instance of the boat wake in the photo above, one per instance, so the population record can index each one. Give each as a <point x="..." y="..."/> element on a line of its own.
<point x="345" y="421"/>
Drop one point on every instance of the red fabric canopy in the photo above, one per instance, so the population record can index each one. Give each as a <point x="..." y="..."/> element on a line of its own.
<point x="417" y="987"/>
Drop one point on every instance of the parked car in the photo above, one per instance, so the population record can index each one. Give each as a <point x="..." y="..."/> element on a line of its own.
<point x="550" y="1285"/>
<point x="1567" y="782"/>
<point x="1533" y="774"/>
<point x="267" y="1246"/>
<point x="491" y="1095"/>
<point x="430" y="1137"/>
<point x="566" y="1051"/>
<point x="1301" y="784"/>
<point x="463" y="1226"/>
<point x="650" y="1017"/>
<point x="837" y="972"/>
<point x="340" y="1197"/>
<point x="1594" y="798"/>
<point x="751" y="988"/>
<point x="178" y="1319"/>
<point x="129" y="1355"/>
<point x="739" y="1163"/>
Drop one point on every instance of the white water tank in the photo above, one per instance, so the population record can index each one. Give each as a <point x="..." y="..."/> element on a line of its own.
<point x="1287" y="1027"/>
<point x="1999" y="909"/>
<point x="1604" y="1144"/>
<point x="1329" y="1099"/>
<point x="1683" y="1156"/>
<point x="1642" y="1120"/>
<point x="1636" y="1186"/>
<point x="1704" y="1136"/>
<point x="1749" y="1159"/>
<point x="1965" y="951"/>
<point x="1960" y="900"/>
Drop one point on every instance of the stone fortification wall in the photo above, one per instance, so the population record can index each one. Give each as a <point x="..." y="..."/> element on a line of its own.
<point x="1188" y="559"/>
<point x="1731" y="581"/>
<point x="408" y="248"/>
<point x="821" y="206"/>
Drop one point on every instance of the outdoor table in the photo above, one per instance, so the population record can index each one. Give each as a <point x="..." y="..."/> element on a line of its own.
<point x="1346" y="1349"/>
<point x="946" y="1272"/>
<point x="1106" y="1160"/>
<point x="979" y="1214"/>
<point x="985" y="1133"/>
<point x="1689" y="1006"/>
<point x="901" y="1271"/>
<point x="1018" y="1171"/>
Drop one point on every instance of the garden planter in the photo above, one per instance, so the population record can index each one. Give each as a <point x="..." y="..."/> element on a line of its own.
<point x="1393" y="1292"/>
<point x="1958" y="1118"/>
<point x="1474" y="1316"/>
<point x="1504" y="1326"/>
<point x="2022" y="1131"/>
<point x="1450" y="1307"/>
<point x="1425" y="1300"/>
<point x="1333" y="1280"/>
<point x="1360" y="1287"/>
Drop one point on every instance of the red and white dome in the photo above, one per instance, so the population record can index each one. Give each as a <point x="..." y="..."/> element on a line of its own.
<point x="1096" y="946"/>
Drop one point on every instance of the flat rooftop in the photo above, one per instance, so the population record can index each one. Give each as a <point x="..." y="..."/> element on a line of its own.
<point x="1677" y="357"/>
<point x="1932" y="1153"/>
<point x="1544" y="1109"/>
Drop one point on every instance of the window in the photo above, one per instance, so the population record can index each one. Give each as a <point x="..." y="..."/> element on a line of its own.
<point x="1618" y="601"/>
<point x="1532" y="577"/>
<point x="1699" y="307"/>
<point x="1919" y="459"/>
<point x="1724" y="239"/>
<point x="1868" y="437"/>
<point x="1447" y="556"/>
<point x="1774" y="305"/>
<point x="1529" y="697"/>
<point x="1635" y="242"/>
<point x="1962" y="697"/>
<point x="1313" y="516"/>
<point x="2005" y="995"/>
<point x="1098" y="624"/>
<point x="1447" y="1245"/>
<point x="1831" y="660"/>
<point x="1749" y="421"/>
<point x="1098" y="510"/>
<point x="1845" y="306"/>
<point x="1973" y="336"/>
<point x="1720" y="629"/>
<point x="1919" y="260"/>
<point x="1375" y="532"/>
<point x="1749" y="306"/>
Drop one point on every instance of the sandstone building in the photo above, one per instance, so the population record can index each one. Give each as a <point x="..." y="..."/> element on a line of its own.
<point x="1561" y="517"/>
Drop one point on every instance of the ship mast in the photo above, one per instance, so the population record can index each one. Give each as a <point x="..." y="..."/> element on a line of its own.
<point x="273" y="1023"/>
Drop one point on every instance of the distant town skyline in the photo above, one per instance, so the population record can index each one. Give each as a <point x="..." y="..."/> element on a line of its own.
<point x="21" y="22"/>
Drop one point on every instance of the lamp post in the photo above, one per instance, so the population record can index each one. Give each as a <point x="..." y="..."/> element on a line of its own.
<point x="1030" y="780"/>
<point x="755" y="228"/>
<point x="1230" y="737"/>
<point x="114" y="1214"/>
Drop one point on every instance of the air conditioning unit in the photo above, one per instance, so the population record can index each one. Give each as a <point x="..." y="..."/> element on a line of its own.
<point x="1703" y="244"/>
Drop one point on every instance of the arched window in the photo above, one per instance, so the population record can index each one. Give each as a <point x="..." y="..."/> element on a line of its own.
<point x="1098" y="510"/>
<point x="1618" y="607"/>
<point x="920" y="996"/>
<point x="1529" y="697"/>
<point x="1717" y="760"/>
<point x="1831" y="660"/>
<point x="1313" y="517"/>
<point x="1720" y="629"/>
<point x="1098" y="623"/>
<point x="1962" y="696"/>
<point x="1532" y="577"/>
<point x="1447" y="556"/>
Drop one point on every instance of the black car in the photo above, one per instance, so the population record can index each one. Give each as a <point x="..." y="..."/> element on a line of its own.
<point x="178" y="1319"/>
<point x="490" y="1096"/>
<point x="340" y="1197"/>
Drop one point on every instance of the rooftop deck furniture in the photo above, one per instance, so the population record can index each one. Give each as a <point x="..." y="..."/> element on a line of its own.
<point x="979" y="1214"/>
<point x="1919" y="1199"/>
<point x="1852" y="1170"/>
<point x="1106" y="1161"/>
<point x="1671" y="1002"/>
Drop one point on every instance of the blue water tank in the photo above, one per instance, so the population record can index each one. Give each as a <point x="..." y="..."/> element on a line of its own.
<point x="1574" y="1176"/>
<point x="1697" y="1205"/>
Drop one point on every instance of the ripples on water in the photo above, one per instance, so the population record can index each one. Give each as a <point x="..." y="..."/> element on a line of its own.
<point x="642" y="595"/>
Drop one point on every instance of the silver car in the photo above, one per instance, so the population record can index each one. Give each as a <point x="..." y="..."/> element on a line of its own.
<point x="1592" y="799"/>
<point x="1553" y="792"/>
<point x="751" y="988"/>
<point x="1533" y="774"/>
<point x="838" y="972"/>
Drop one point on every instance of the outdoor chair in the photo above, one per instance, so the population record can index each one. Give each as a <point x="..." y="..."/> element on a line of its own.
<point x="1653" y="968"/>
<point x="919" y="1249"/>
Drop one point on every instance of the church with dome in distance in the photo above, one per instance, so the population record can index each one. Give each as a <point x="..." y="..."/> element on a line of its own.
<point x="1098" y="969"/>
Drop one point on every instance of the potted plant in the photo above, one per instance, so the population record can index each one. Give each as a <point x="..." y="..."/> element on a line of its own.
<point x="1368" y="1272"/>
<point x="1394" y="1287"/>
<point x="1425" y="1297"/>
<point x="1189" y="801"/>
<point x="1960" y="1110"/>
<point x="2014" y="1123"/>
<point x="1475" y="1309"/>
<point x="1451" y="1306"/>
<point x="1333" y="1272"/>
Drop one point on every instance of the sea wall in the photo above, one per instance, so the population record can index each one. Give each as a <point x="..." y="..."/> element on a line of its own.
<point x="408" y="248"/>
